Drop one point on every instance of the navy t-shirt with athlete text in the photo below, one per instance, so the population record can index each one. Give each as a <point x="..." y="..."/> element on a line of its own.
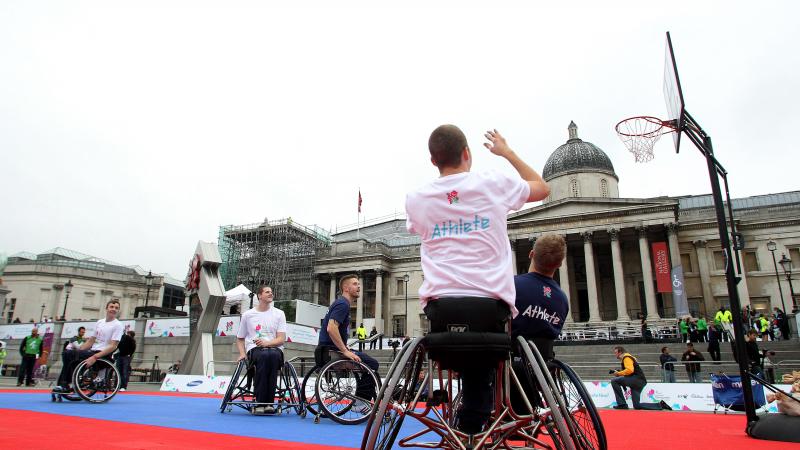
<point x="340" y="312"/>
<point x="542" y="307"/>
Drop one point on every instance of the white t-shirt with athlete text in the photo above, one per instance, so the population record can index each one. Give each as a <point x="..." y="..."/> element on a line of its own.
<point x="465" y="250"/>
<point x="265" y="325"/>
<point x="105" y="332"/>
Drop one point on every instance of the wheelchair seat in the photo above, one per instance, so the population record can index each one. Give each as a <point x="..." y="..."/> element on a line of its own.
<point x="460" y="350"/>
<point x="240" y="391"/>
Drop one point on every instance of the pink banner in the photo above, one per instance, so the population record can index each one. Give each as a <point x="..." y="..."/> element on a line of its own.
<point x="661" y="263"/>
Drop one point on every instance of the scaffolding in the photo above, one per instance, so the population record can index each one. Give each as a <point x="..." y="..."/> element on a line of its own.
<point x="279" y="253"/>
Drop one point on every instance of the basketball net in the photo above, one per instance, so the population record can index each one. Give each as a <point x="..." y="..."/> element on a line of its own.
<point x="640" y="134"/>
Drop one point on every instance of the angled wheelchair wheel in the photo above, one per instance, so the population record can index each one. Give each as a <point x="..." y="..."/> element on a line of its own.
<point x="97" y="383"/>
<point x="233" y="385"/>
<point x="307" y="391"/>
<point x="289" y="394"/>
<point x="589" y="433"/>
<point x="337" y="391"/>
<point x="554" y="420"/>
<point x="397" y="396"/>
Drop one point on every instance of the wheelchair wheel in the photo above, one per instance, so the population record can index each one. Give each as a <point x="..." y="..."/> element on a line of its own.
<point x="337" y="391"/>
<point x="555" y="422"/>
<point x="97" y="383"/>
<point x="396" y="397"/>
<point x="589" y="433"/>
<point x="289" y="389"/>
<point x="232" y="385"/>
<point x="307" y="392"/>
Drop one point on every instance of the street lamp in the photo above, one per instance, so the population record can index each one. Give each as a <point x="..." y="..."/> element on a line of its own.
<point x="405" y="280"/>
<point x="253" y="275"/>
<point x="148" y="280"/>
<point x="786" y="263"/>
<point x="772" y="246"/>
<point x="67" y="289"/>
<point x="41" y="315"/>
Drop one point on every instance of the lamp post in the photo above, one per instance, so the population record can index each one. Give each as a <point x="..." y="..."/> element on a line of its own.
<point x="67" y="288"/>
<point x="405" y="280"/>
<point x="253" y="275"/>
<point x="772" y="246"/>
<point x="786" y="263"/>
<point x="148" y="280"/>
<point x="41" y="315"/>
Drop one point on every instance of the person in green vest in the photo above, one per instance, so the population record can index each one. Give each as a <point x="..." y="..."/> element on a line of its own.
<point x="683" y="326"/>
<point x="702" y="329"/>
<point x="3" y="354"/>
<point x="361" y="333"/>
<point x="30" y="349"/>
<point x="764" y="328"/>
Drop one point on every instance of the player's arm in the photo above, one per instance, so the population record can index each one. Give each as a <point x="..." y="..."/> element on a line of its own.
<point x="109" y="349"/>
<point x="240" y="346"/>
<point x="280" y="338"/>
<point x="87" y="344"/>
<point x="627" y="363"/>
<point x="538" y="187"/>
<point x="333" y="332"/>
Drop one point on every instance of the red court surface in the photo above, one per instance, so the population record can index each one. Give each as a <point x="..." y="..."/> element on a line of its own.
<point x="29" y="420"/>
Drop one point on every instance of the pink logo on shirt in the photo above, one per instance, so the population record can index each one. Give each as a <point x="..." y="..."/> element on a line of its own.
<point x="547" y="292"/>
<point x="452" y="197"/>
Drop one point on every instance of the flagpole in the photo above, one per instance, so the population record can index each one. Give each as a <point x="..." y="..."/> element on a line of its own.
<point x="358" y="219"/>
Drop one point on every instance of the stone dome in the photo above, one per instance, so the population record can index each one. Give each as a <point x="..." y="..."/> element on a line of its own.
<point x="577" y="156"/>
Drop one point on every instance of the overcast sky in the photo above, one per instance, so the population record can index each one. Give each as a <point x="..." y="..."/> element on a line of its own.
<point x="131" y="130"/>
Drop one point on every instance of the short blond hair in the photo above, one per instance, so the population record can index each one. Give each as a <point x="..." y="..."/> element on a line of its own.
<point x="548" y="252"/>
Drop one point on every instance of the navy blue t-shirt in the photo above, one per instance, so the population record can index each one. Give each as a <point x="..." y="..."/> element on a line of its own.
<point x="340" y="312"/>
<point x="542" y="306"/>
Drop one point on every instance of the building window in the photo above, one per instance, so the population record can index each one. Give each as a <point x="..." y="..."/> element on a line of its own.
<point x="686" y="262"/>
<point x="751" y="261"/>
<point x="401" y="287"/>
<point x="574" y="189"/>
<point x="604" y="188"/>
<point x="719" y="260"/>
<point x="11" y="307"/>
<point x="794" y="255"/>
<point x="398" y="326"/>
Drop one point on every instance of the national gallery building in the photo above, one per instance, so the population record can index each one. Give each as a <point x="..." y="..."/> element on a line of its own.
<point x="609" y="272"/>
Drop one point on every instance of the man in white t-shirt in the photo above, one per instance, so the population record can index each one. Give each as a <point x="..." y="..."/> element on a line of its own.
<point x="102" y="342"/>
<point x="465" y="254"/>
<point x="261" y="335"/>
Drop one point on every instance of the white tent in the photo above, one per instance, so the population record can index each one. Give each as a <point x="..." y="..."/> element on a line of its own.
<point x="237" y="295"/>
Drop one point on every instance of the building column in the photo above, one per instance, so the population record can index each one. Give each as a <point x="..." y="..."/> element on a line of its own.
<point x="563" y="279"/>
<point x="619" y="276"/>
<point x="333" y="288"/>
<point x="705" y="275"/>
<point x="591" y="281"/>
<point x="360" y="301"/>
<point x="674" y="249"/>
<point x="315" y="287"/>
<point x="647" y="275"/>
<point x="379" y="300"/>
<point x="513" y="244"/>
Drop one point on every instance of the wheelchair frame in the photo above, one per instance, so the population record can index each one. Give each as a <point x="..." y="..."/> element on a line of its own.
<point x="338" y="376"/>
<point x="400" y="397"/>
<point x="89" y="385"/>
<point x="240" y="390"/>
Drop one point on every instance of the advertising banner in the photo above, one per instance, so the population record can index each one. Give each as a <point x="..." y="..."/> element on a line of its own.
<point x="166" y="328"/>
<point x="195" y="383"/>
<point x="228" y="325"/>
<point x="661" y="263"/>
<point x="302" y="334"/>
<point x="679" y="299"/>
<point x="16" y="331"/>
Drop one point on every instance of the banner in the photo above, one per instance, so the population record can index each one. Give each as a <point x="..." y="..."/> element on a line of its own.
<point x="16" y="331"/>
<point x="228" y="325"/>
<point x="679" y="300"/>
<point x="661" y="263"/>
<point x="195" y="383"/>
<point x="166" y="328"/>
<point x="302" y="334"/>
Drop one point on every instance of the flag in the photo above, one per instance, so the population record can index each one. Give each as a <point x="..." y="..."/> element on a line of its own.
<point x="359" y="201"/>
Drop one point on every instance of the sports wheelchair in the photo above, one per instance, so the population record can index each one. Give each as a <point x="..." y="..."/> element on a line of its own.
<point x="331" y="390"/>
<point x="97" y="383"/>
<point x="240" y="390"/>
<point x="423" y="386"/>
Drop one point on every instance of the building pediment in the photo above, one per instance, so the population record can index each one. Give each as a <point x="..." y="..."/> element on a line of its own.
<point x="583" y="209"/>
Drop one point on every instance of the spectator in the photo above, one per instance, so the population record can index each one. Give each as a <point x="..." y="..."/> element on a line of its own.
<point x="683" y="325"/>
<point x="632" y="376"/>
<point x="76" y="340"/>
<point x="783" y="323"/>
<point x="763" y="327"/>
<point x="29" y="349"/>
<point x="702" y="329"/>
<point x="667" y="370"/>
<point x="16" y="320"/>
<point x="713" y="344"/>
<point x="724" y="319"/>
<point x="3" y="354"/>
<point x="361" y="333"/>
<point x="126" y="348"/>
<point x="753" y="353"/>
<point x="175" y="367"/>
<point x="373" y="342"/>
<point x="693" y="369"/>
<point x="646" y="334"/>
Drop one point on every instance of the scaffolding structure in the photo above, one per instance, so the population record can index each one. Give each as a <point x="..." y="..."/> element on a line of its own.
<point x="279" y="253"/>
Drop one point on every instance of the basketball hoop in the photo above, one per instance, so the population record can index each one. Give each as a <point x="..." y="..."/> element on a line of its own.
<point x="640" y="134"/>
